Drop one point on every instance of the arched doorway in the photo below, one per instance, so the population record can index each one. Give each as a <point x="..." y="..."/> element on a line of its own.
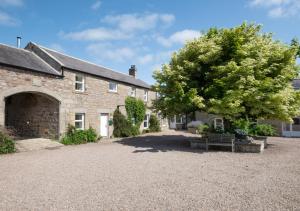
<point x="32" y="115"/>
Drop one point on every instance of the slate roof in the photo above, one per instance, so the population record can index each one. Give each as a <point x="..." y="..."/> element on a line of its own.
<point x="38" y="58"/>
<point x="90" y="68"/>
<point x="21" y="58"/>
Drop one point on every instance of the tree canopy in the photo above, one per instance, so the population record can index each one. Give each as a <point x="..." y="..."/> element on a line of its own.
<point x="238" y="73"/>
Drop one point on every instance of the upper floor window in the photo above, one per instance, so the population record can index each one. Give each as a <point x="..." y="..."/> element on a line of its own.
<point x="132" y="92"/>
<point x="79" y="121"/>
<point x="145" y="95"/>
<point x="79" y="83"/>
<point x="113" y="87"/>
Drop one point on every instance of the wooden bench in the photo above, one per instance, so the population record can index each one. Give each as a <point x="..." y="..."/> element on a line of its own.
<point x="214" y="139"/>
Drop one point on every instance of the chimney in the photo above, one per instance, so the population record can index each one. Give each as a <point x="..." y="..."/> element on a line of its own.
<point x="19" y="42"/>
<point x="132" y="71"/>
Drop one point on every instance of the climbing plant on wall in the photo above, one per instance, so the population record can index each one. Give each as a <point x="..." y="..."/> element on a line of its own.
<point x="136" y="110"/>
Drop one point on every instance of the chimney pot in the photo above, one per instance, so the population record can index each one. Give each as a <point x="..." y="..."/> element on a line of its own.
<point x="19" y="42"/>
<point x="133" y="71"/>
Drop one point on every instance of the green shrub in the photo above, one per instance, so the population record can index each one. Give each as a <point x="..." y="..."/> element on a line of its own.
<point x="122" y="128"/>
<point x="242" y="124"/>
<point x="263" y="130"/>
<point x="74" y="136"/>
<point x="154" y="125"/>
<point x="218" y="129"/>
<point x="203" y="128"/>
<point x="134" y="130"/>
<point x="91" y="135"/>
<point x="146" y="131"/>
<point x="7" y="145"/>
<point x="254" y="129"/>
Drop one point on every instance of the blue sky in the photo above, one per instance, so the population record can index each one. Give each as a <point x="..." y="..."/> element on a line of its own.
<point x="116" y="34"/>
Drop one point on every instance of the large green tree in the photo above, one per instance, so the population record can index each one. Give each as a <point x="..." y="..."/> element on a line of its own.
<point x="238" y="73"/>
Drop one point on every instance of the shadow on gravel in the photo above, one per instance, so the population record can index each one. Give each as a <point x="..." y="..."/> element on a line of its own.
<point x="163" y="143"/>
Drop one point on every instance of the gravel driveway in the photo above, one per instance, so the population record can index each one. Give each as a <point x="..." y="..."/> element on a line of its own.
<point x="151" y="173"/>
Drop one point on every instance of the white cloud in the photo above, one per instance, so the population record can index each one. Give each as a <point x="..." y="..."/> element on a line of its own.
<point x="57" y="47"/>
<point x="96" y="5"/>
<point x="145" y="59"/>
<point x="96" y="34"/>
<point x="268" y="3"/>
<point x="7" y="20"/>
<point x="167" y="18"/>
<point x="158" y="58"/>
<point x="180" y="37"/>
<point x="135" y="22"/>
<point x="15" y="3"/>
<point x="121" y="27"/>
<point x="276" y="12"/>
<point x="278" y="8"/>
<point x="103" y="52"/>
<point x="109" y="52"/>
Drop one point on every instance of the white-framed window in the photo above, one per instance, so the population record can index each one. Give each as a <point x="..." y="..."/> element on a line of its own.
<point x="179" y="119"/>
<point x="132" y="92"/>
<point x="145" y="95"/>
<point x="218" y="123"/>
<point x="146" y="121"/>
<point x="79" y="121"/>
<point x="157" y="95"/>
<point x="79" y="83"/>
<point x="113" y="87"/>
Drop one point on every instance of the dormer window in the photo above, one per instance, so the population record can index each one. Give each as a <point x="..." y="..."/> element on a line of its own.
<point x="113" y="87"/>
<point x="79" y="83"/>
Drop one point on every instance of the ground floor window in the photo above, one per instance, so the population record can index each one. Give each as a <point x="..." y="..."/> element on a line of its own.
<point x="179" y="119"/>
<point x="146" y="121"/>
<point x="79" y="121"/>
<point x="296" y="121"/>
<point x="218" y="123"/>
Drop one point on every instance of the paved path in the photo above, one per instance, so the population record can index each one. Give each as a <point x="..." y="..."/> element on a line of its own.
<point x="36" y="144"/>
<point x="154" y="172"/>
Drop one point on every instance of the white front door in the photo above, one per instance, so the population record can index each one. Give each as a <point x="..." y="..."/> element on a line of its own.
<point x="173" y="122"/>
<point x="104" y="125"/>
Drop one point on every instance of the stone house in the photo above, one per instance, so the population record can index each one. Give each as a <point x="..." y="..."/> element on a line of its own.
<point x="42" y="91"/>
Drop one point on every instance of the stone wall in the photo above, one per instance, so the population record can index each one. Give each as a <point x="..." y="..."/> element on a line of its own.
<point x="96" y="98"/>
<point x="32" y="115"/>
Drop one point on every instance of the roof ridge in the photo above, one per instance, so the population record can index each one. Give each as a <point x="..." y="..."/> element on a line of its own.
<point x="85" y="61"/>
<point x="15" y="48"/>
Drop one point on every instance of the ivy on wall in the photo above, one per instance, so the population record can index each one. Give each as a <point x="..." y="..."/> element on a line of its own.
<point x="136" y="110"/>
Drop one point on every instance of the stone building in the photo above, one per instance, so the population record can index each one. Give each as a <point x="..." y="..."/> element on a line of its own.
<point x="42" y="91"/>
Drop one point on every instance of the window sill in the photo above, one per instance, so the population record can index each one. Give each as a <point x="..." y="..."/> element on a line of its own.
<point x="113" y="92"/>
<point x="80" y="92"/>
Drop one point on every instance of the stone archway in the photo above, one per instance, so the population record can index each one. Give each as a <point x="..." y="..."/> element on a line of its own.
<point x="32" y="115"/>
<point x="31" y="104"/>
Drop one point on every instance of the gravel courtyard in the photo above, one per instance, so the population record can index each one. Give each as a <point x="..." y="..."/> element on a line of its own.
<point x="153" y="172"/>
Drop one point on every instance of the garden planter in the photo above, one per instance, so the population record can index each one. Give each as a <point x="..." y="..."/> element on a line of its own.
<point x="261" y="138"/>
<point x="254" y="147"/>
<point x="192" y="130"/>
